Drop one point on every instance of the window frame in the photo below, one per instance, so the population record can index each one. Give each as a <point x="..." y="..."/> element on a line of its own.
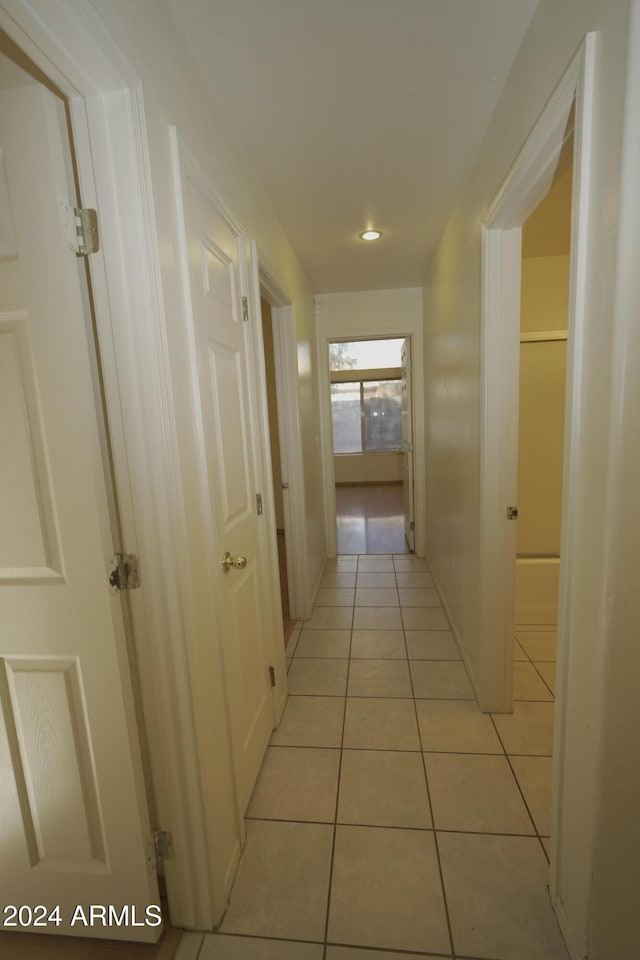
<point x="349" y="376"/>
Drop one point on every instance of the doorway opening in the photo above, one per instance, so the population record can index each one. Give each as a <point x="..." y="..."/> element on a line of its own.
<point x="563" y="130"/>
<point x="371" y="418"/>
<point x="280" y="486"/>
<point x="546" y="247"/>
<point x="64" y="636"/>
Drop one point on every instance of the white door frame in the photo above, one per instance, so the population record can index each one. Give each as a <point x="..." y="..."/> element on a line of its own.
<point x="68" y="42"/>
<point x="265" y="283"/>
<point x="525" y="186"/>
<point x="413" y="332"/>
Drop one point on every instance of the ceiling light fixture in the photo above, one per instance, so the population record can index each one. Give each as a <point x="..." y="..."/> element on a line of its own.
<point x="370" y="235"/>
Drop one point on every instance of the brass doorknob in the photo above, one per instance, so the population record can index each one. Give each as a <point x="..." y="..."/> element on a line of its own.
<point x="238" y="563"/>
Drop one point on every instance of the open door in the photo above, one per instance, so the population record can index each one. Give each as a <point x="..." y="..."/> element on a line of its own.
<point x="407" y="446"/>
<point x="74" y="828"/>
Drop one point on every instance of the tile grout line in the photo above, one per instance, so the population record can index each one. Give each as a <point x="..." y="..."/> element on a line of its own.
<point x="335" y="818"/>
<point x="520" y="790"/>
<point x="433" y="822"/>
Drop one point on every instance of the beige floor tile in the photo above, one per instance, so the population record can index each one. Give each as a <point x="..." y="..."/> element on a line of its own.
<point x="440" y="680"/>
<point x="376" y="580"/>
<point x="548" y="673"/>
<point x="378" y="645"/>
<point x="381" y="724"/>
<point x="379" y="678"/>
<point x="282" y="883"/>
<point x="497" y="897"/>
<point x="330" y="618"/>
<point x="217" y="946"/>
<point x="419" y="597"/>
<point x="417" y="579"/>
<point x="528" y="730"/>
<point x="318" y="677"/>
<point x="424" y="618"/>
<point x="518" y="652"/>
<point x="534" y="777"/>
<point x="528" y="684"/>
<point x="405" y="564"/>
<point x="377" y="618"/>
<point x="383" y="789"/>
<point x="296" y="783"/>
<point x="377" y="565"/>
<point x="324" y="643"/>
<point x="456" y="726"/>
<point x="343" y="564"/>
<point x="377" y="556"/>
<point x="338" y="580"/>
<point x="546" y="843"/>
<point x="335" y="597"/>
<point x="377" y="597"/>
<point x="311" y="722"/>
<point x="386" y="890"/>
<point x="432" y="645"/>
<point x="475" y="792"/>
<point x="538" y="645"/>
<point x="353" y="953"/>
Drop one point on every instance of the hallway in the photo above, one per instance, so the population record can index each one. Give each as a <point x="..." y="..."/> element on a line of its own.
<point x="390" y="814"/>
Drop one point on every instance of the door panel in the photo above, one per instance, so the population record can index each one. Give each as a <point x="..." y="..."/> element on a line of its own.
<point x="407" y="445"/>
<point x="73" y="824"/>
<point x="229" y="421"/>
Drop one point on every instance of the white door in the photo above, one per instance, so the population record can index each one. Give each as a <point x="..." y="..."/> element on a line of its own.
<point x="223" y="355"/>
<point x="407" y="446"/>
<point x="73" y="822"/>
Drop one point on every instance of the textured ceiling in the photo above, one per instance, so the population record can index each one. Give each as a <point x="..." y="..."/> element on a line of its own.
<point x="357" y="113"/>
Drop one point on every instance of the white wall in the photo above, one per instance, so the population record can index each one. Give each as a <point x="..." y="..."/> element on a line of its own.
<point x="452" y="362"/>
<point x="368" y="468"/>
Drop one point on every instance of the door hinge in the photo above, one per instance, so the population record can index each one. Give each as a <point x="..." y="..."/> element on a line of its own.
<point x="259" y="504"/>
<point x="512" y="513"/>
<point x="124" y="573"/>
<point x="245" y="309"/>
<point x="412" y="525"/>
<point x="80" y="226"/>
<point x="160" y="847"/>
<point x="272" y="676"/>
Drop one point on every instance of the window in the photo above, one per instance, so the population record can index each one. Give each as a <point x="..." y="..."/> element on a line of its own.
<point x="366" y="396"/>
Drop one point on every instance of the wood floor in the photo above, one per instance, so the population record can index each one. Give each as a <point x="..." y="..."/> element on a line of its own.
<point x="370" y="518"/>
<point x="287" y="623"/>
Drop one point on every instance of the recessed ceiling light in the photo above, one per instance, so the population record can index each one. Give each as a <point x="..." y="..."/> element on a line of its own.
<point x="370" y="235"/>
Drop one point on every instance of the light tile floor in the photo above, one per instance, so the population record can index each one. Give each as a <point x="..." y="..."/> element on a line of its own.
<point x="391" y="818"/>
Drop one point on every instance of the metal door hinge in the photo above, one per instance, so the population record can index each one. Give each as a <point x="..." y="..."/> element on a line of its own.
<point x="272" y="676"/>
<point x="124" y="573"/>
<point x="412" y="525"/>
<point x="80" y="229"/>
<point x="245" y="309"/>
<point x="512" y="513"/>
<point x="259" y="504"/>
<point x="160" y="847"/>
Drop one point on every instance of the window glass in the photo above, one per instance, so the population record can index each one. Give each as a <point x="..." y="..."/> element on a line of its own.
<point x="382" y="415"/>
<point x="345" y="411"/>
<point x="365" y="354"/>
